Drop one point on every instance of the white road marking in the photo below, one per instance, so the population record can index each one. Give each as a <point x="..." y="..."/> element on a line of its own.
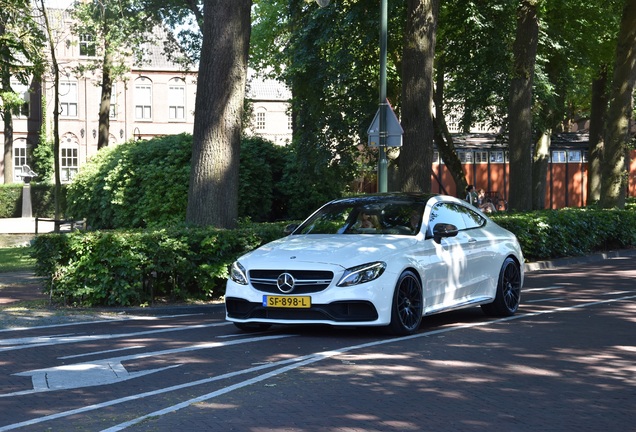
<point x="107" y="371"/>
<point x="290" y="365"/>
<point x="100" y="352"/>
<point x="23" y="343"/>
<point x="544" y="300"/>
<point x="126" y="318"/>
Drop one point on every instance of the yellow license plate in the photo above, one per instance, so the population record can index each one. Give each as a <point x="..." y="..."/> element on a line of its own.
<point x="287" y="301"/>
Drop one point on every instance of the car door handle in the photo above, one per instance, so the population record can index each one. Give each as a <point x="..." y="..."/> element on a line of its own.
<point x="472" y="240"/>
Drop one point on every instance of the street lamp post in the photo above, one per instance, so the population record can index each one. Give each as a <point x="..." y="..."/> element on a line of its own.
<point x="382" y="160"/>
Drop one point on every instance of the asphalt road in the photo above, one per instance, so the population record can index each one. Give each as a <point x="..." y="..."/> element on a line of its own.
<point x="565" y="362"/>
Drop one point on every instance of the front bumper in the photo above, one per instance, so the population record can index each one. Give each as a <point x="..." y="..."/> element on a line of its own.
<point x="367" y="304"/>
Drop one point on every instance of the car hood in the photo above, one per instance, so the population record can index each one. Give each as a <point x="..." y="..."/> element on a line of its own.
<point x="343" y="250"/>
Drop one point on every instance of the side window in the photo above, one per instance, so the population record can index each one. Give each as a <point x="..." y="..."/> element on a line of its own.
<point x="472" y="218"/>
<point x="447" y="213"/>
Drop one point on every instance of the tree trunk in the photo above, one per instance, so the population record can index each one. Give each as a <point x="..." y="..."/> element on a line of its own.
<point x="520" y="108"/>
<point x="8" y="121"/>
<point x="596" y="140"/>
<point x="416" y="154"/>
<point x="444" y="139"/>
<point x="540" y="170"/>
<point x="104" y="106"/>
<point x="8" y="146"/>
<point x="213" y="191"/>
<point x="56" y="114"/>
<point x="614" y="176"/>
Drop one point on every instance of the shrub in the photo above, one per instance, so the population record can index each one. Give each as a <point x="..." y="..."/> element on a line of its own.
<point x="134" y="185"/>
<point x="549" y="234"/>
<point x="145" y="183"/>
<point x="10" y="200"/>
<point x="261" y="197"/>
<point x="133" y="267"/>
<point x="42" y="200"/>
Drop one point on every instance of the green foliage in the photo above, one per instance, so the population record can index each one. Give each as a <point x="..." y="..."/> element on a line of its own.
<point x="21" y="41"/>
<point x="136" y="184"/>
<point x="42" y="200"/>
<point x="10" y="200"/>
<point x="329" y="58"/>
<point x="43" y="161"/>
<point x="549" y="234"/>
<point x="134" y="267"/>
<point x="262" y="197"/>
<point x="145" y="183"/>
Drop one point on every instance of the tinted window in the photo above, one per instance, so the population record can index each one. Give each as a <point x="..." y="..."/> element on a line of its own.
<point x="472" y="218"/>
<point x="447" y="213"/>
<point x="460" y="216"/>
<point x="381" y="217"/>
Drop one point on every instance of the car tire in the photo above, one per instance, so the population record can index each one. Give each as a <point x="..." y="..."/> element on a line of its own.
<point x="508" y="294"/>
<point x="252" y="327"/>
<point x="408" y="304"/>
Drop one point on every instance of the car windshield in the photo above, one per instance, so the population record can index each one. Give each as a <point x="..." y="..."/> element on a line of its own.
<point x="351" y="217"/>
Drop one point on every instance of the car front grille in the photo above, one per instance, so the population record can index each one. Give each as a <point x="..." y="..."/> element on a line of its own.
<point x="305" y="281"/>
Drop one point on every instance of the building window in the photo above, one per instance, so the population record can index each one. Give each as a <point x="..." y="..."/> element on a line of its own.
<point x="260" y="120"/>
<point x="465" y="156"/>
<point x="24" y="93"/>
<point x="19" y="158"/>
<point x="558" y="156"/>
<point x="113" y="102"/>
<point x="69" y="163"/>
<point x="143" y="99"/>
<point x="574" y="156"/>
<point x="290" y="122"/>
<point x="87" y="45"/>
<point x="481" y="157"/>
<point x="68" y="99"/>
<point x="497" y="156"/>
<point x="176" y="99"/>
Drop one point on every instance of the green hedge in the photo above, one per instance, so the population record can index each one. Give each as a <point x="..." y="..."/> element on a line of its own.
<point x="42" y="200"/>
<point x="134" y="267"/>
<point x="547" y="234"/>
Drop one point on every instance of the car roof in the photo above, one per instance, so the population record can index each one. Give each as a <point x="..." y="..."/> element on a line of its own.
<point x="402" y="197"/>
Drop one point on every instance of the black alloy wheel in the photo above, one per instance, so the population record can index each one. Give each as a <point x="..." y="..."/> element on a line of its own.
<point x="408" y="304"/>
<point x="508" y="296"/>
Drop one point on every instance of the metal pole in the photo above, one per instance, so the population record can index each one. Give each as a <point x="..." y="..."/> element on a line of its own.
<point x="382" y="161"/>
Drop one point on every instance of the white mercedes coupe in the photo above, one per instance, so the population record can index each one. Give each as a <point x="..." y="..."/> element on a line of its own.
<point x="378" y="260"/>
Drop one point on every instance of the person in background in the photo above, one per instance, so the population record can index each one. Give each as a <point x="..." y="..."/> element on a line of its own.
<point x="471" y="195"/>
<point x="485" y="204"/>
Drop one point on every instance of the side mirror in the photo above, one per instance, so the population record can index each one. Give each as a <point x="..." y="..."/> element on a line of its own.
<point x="289" y="229"/>
<point x="442" y="230"/>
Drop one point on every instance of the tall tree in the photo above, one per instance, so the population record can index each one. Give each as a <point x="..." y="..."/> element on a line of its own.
<point x="520" y="113"/>
<point x="56" y="109"/>
<point x="119" y="29"/>
<point x="472" y="64"/>
<point x="416" y="155"/>
<point x="213" y="191"/>
<point x="21" y="59"/>
<point x="329" y="59"/>
<point x="613" y="179"/>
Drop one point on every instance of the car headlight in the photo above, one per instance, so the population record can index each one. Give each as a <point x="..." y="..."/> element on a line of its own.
<point x="238" y="273"/>
<point x="362" y="273"/>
